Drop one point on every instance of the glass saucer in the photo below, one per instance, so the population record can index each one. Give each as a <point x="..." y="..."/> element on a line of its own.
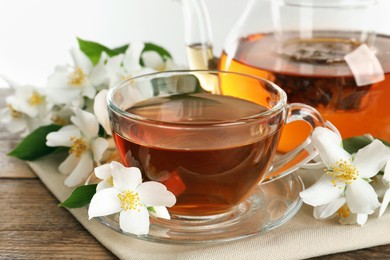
<point x="270" y="205"/>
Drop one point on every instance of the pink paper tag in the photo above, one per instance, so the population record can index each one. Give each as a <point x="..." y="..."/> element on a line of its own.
<point x="365" y="66"/>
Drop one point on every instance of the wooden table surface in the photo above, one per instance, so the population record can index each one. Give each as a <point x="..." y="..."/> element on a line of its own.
<point x="33" y="226"/>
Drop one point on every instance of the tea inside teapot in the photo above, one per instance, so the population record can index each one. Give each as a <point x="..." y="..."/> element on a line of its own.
<point x="318" y="52"/>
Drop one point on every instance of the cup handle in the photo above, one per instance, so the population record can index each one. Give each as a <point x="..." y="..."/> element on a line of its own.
<point x="284" y="164"/>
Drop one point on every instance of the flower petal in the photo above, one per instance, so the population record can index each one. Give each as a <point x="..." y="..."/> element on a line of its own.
<point x="323" y="132"/>
<point x="69" y="164"/>
<point x="153" y="60"/>
<point x="113" y="64"/>
<point x="103" y="185"/>
<point x="386" y="175"/>
<point x="89" y="91"/>
<point x="20" y="101"/>
<point x="98" y="147"/>
<point x="100" y="110"/>
<point x="160" y="212"/>
<point x="352" y="219"/>
<point x="328" y="145"/>
<point x="371" y="159"/>
<point x="327" y="210"/>
<point x="322" y="192"/>
<point x="385" y="202"/>
<point x="86" y="122"/>
<point x="114" y="69"/>
<point x="104" y="202"/>
<point x="361" y="197"/>
<point x="57" y="90"/>
<point x="62" y="95"/>
<point x="125" y="178"/>
<point x="81" y="60"/>
<point x="81" y="172"/>
<point x="103" y="172"/>
<point x="63" y="136"/>
<point x="361" y="219"/>
<point x="135" y="222"/>
<point x="58" y="79"/>
<point x="155" y="194"/>
<point x="98" y="75"/>
<point x="132" y="56"/>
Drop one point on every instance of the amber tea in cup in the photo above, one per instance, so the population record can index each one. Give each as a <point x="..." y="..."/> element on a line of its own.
<point x="209" y="148"/>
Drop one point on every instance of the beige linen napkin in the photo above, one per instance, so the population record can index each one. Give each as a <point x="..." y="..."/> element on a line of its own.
<point x="301" y="237"/>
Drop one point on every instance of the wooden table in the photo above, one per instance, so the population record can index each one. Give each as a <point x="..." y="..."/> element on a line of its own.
<point x="33" y="226"/>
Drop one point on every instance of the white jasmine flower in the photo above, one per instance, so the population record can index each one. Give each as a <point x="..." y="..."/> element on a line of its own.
<point x="345" y="176"/>
<point x="85" y="146"/>
<point x="130" y="197"/>
<point x="26" y="110"/>
<point x="18" y="123"/>
<point x="124" y="66"/>
<point x="27" y="100"/>
<point x="130" y="63"/>
<point x="127" y="65"/>
<point x="68" y="85"/>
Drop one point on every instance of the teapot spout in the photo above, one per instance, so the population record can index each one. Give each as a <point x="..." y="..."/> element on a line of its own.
<point x="198" y="36"/>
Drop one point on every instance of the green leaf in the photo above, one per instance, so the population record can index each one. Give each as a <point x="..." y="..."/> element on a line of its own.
<point x="151" y="209"/>
<point x="102" y="132"/>
<point x="164" y="54"/>
<point x="80" y="197"/>
<point x="34" y="146"/>
<point x="94" y="50"/>
<point x="353" y="144"/>
<point x="121" y="49"/>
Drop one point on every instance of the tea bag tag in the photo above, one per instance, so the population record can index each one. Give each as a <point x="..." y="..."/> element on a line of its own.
<point x="365" y="66"/>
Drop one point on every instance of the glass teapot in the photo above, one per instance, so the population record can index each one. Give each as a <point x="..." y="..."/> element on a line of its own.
<point x="325" y="53"/>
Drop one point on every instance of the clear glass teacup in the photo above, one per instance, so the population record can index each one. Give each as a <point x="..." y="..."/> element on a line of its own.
<point x="208" y="145"/>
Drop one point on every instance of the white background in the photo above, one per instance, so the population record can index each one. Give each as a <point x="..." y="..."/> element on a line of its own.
<point x="36" y="35"/>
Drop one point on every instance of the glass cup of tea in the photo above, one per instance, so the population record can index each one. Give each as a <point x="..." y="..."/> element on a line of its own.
<point x="210" y="137"/>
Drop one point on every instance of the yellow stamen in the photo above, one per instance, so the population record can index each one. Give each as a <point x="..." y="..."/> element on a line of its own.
<point x="110" y="181"/>
<point x="35" y="99"/>
<point x="13" y="112"/>
<point x="59" y="120"/>
<point x="77" y="77"/>
<point x="130" y="200"/>
<point x="343" y="171"/>
<point x="78" y="146"/>
<point x="344" y="211"/>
